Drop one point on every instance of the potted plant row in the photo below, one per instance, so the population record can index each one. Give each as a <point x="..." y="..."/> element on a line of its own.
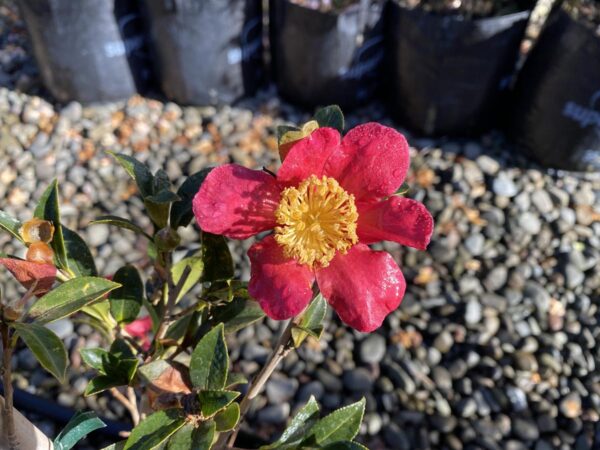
<point x="557" y="106"/>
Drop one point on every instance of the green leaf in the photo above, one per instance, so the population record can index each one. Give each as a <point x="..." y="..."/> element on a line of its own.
<point x="101" y="383"/>
<point x="234" y="379"/>
<point x="121" y="349"/>
<point x="117" y="367"/>
<point x="121" y="223"/>
<point x="311" y="322"/>
<point x="332" y="117"/>
<point x="48" y="209"/>
<point x="95" y="358"/>
<point x="45" y="346"/>
<point x="70" y="297"/>
<point x="402" y="189"/>
<point x="100" y="311"/>
<point x="345" y="445"/>
<point x="181" y="211"/>
<point x="158" y="212"/>
<point x="155" y="429"/>
<point x="304" y="419"/>
<point x="204" y="435"/>
<point x="11" y="225"/>
<point x="188" y="437"/>
<point x="227" y="419"/>
<point x="179" y="328"/>
<point x="126" y="301"/>
<point x="79" y="257"/>
<point x="116" y="446"/>
<point x="282" y="130"/>
<point x="196" y="265"/>
<point x="341" y="425"/>
<point x="137" y="171"/>
<point x="237" y="314"/>
<point x="210" y="362"/>
<point x="80" y="425"/>
<point x="218" y="263"/>
<point x="212" y="402"/>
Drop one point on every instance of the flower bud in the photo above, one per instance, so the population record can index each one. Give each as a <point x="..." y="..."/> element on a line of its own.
<point x="37" y="230"/>
<point x="40" y="252"/>
<point x="167" y="239"/>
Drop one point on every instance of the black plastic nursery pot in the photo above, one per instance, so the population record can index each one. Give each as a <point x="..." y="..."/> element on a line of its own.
<point x="88" y="50"/>
<point x="322" y="58"/>
<point x="557" y="107"/>
<point x="447" y="74"/>
<point x="209" y="51"/>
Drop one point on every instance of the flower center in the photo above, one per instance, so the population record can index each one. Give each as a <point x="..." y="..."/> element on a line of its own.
<point x="316" y="220"/>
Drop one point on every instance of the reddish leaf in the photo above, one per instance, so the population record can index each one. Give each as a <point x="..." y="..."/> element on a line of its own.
<point x="27" y="273"/>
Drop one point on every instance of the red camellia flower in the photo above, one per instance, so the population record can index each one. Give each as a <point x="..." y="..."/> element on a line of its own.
<point x="141" y="328"/>
<point x="330" y="198"/>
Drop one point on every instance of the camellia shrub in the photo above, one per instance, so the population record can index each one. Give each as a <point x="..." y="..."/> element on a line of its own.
<point x="166" y="358"/>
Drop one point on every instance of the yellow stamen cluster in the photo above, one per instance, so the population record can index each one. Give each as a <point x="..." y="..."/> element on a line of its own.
<point x="316" y="220"/>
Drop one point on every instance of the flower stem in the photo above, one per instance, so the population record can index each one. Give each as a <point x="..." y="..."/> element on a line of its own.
<point x="280" y="351"/>
<point x="8" y="416"/>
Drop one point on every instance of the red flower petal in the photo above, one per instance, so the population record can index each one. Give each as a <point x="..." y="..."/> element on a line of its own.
<point x="396" y="219"/>
<point x="139" y="327"/>
<point x="372" y="161"/>
<point x="27" y="273"/>
<point x="363" y="286"/>
<point x="308" y="156"/>
<point x="281" y="285"/>
<point x="236" y="202"/>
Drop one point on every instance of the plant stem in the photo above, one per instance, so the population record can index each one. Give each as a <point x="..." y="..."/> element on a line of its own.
<point x="173" y="294"/>
<point x="9" y="419"/>
<point x="280" y="351"/>
<point x="127" y="403"/>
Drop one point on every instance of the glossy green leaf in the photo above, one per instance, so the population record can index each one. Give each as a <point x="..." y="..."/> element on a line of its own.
<point x="126" y="301"/>
<point x="101" y="383"/>
<point x="79" y="258"/>
<point x="204" y="436"/>
<point x="190" y="438"/>
<point x="402" y="189"/>
<point x="196" y="265"/>
<point x="11" y="225"/>
<point x="332" y="117"/>
<point x="345" y="445"/>
<point x="298" y="428"/>
<point x="233" y="379"/>
<point x="212" y="402"/>
<point x="121" y="223"/>
<point x="227" y="419"/>
<point x="47" y="348"/>
<point x="178" y="329"/>
<point x="121" y="349"/>
<point x="137" y="171"/>
<point x="227" y="290"/>
<point x="283" y="130"/>
<point x="48" y="209"/>
<point x="237" y="314"/>
<point x="117" y="367"/>
<point x="209" y="364"/>
<point x="70" y="297"/>
<point x="80" y="425"/>
<point x="116" y="446"/>
<point x="94" y="357"/>
<point x="311" y="322"/>
<point x="155" y="429"/>
<point x="181" y="211"/>
<point x="341" y="425"/>
<point x="218" y="263"/>
<point x="100" y="311"/>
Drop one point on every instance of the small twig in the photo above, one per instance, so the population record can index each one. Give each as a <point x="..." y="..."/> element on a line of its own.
<point x="183" y="313"/>
<point x="135" y="412"/>
<point x="173" y="294"/>
<point x="131" y="408"/>
<point x="8" y="416"/>
<point x="282" y="348"/>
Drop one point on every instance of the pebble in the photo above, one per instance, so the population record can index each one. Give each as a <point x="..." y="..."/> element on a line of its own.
<point x="372" y="349"/>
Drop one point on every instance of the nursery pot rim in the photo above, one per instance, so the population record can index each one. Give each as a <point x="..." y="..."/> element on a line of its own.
<point x="459" y="17"/>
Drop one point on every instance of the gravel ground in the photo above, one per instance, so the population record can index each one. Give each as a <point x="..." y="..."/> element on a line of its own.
<point x="495" y="344"/>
